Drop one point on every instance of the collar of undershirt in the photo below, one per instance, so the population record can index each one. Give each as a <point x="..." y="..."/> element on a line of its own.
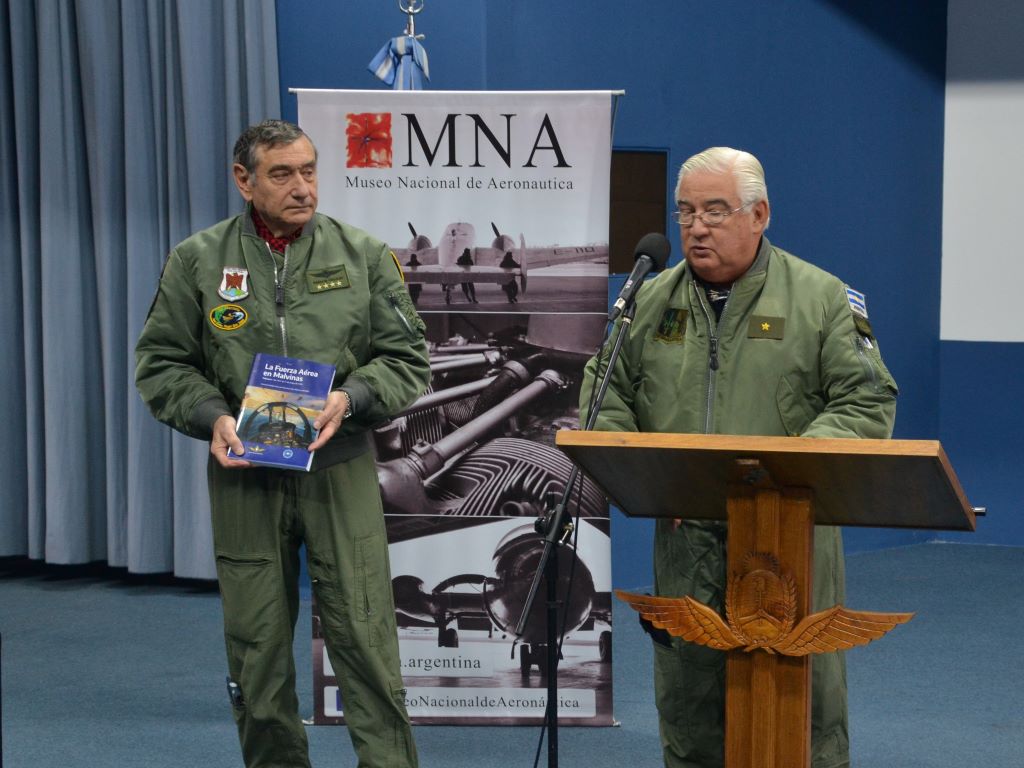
<point x="277" y="244"/>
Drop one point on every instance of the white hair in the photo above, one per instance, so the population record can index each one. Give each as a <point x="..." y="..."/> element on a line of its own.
<point x="744" y="167"/>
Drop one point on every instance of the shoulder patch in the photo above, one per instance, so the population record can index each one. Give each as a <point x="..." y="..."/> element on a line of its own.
<point x="863" y="326"/>
<point x="398" y="266"/>
<point x="858" y="304"/>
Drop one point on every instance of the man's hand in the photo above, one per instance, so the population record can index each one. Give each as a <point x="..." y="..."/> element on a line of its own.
<point x="329" y="420"/>
<point x="224" y="437"/>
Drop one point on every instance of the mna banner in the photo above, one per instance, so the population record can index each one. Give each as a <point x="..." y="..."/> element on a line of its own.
<point x="496" y="208"/>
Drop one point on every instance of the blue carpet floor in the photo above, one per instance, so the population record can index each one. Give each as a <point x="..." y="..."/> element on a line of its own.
<point x="104" y="671"/>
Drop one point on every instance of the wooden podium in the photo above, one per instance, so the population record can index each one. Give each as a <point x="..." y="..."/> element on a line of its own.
<point x="771" y="491"/>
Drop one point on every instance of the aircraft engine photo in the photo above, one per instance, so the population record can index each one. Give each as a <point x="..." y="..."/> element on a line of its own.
<point x="465" y="473"/>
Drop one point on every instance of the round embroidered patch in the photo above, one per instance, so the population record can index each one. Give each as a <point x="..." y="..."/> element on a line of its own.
<point x="228" y="317"/>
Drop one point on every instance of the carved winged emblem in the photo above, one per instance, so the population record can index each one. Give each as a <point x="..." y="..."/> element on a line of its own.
<point x="760" y="609"/>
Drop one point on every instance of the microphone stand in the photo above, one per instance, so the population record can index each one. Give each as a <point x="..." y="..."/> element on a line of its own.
<point x="556" y="530"/>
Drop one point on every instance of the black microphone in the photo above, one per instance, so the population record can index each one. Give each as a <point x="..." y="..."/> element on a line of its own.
<point x="651" y="253"/>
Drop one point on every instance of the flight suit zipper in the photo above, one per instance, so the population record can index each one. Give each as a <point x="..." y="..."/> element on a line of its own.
<point x="279" y="276"/>
<point x="712" y="354"/>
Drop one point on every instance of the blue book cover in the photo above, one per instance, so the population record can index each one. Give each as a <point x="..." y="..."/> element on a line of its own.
<point x="282" y="400"/>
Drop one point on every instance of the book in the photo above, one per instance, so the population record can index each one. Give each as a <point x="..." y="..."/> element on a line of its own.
<point x="282" y="400"/>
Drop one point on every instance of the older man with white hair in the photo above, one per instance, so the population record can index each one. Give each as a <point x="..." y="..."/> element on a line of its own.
<point x="742" y="338"/>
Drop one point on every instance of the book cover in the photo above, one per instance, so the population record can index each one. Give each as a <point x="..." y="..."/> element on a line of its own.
<point x="282" y="400"/>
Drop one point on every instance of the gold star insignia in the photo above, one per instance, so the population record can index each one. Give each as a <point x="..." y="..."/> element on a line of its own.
<point x="766" y="326"/>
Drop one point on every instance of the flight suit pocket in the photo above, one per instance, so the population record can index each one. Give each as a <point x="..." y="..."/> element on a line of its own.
<point x="408" y="317"/>
<point x="330" y="599"/>
<point x="230" y="356"/>
<point x="875" y="372"/>
<point x="689" y="685"/>
<point x="374" y="604"/>
<point x="344" y="365"/>
<point x="251" y="592"/>
<point x="668" y="683"/>
<point x="796" y="413"/>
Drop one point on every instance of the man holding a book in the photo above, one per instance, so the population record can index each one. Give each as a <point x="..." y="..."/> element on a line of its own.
<point x="281" y="279"/>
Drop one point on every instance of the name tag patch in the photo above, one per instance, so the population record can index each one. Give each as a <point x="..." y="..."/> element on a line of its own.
<point x="672" y="328"/>
<point x="330" y="279"/>
<point x="764" y="327"/>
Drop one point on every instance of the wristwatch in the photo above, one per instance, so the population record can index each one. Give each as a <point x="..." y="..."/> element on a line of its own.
<point x="348" y="405"/>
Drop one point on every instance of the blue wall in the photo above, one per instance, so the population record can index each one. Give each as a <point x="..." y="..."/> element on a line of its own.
<point x="982" y="423"/>
<point x="842" y="102"/>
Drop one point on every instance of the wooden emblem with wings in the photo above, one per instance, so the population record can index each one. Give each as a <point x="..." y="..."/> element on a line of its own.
<point x="760" y="609"/>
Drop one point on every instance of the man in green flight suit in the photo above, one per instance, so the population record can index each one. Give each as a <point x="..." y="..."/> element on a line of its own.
<point x="283" y="279"/>
<point x="741" y="338"/>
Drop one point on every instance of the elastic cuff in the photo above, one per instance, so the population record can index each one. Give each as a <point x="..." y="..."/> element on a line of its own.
<point x="360" y="394"/>
<point x="205" y="415"/>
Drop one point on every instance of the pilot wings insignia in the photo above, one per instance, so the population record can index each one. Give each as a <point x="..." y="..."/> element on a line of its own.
<point x="760" y="608"/>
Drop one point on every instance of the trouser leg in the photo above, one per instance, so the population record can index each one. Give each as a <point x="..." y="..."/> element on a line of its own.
<point x="347" y="550"/>
<point x="257" y="567"/>
<point x="689" y="687"/>
<point x="830" y="737"/>
<point x="690" y="679"/>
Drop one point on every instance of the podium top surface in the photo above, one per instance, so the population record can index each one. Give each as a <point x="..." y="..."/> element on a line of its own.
<point x="877" y="483"/>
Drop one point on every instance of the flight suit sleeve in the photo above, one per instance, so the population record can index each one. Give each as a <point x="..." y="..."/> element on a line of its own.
<point x="169" y="357"/>
<point x="398" y="370"/>
<point x="617" y="411"/>
<point x="860" y="392"/>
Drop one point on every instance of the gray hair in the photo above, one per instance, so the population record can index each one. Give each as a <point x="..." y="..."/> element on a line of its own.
<point x="269" y="133"/>
<point x="745" y="168"/>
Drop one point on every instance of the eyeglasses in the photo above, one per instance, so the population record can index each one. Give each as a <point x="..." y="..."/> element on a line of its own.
<point x="709" y="218"/>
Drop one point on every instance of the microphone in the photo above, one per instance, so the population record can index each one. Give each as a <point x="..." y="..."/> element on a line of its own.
<point x="651" y="253"/>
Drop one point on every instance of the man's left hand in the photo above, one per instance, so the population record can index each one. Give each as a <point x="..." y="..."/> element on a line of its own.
<point x="329" y="420"/>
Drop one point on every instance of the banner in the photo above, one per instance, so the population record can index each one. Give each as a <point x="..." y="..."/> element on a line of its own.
<point x="496" y="208"/>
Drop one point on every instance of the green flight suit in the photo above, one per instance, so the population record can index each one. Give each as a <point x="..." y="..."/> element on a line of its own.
<point x="788" y="356"/>
<point x="337" y="297"/>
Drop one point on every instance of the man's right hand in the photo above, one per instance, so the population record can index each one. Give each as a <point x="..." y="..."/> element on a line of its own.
<point x="225" y="437"/>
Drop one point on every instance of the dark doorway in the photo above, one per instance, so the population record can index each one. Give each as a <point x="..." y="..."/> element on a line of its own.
<point x="638" y="184"/>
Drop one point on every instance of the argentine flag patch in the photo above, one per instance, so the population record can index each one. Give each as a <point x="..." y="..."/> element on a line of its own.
<point x="857" y="302"/>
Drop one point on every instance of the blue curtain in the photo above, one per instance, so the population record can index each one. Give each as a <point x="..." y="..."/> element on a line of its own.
<point x="117" y="120"/>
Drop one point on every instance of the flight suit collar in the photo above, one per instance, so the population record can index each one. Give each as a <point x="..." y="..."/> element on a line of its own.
<point x="754" y="274"/>
<point x="249" y="228"/>
<point x="761" y="260"/>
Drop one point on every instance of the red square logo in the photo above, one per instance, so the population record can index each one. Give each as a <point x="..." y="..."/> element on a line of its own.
<point x="369" y="139"/>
